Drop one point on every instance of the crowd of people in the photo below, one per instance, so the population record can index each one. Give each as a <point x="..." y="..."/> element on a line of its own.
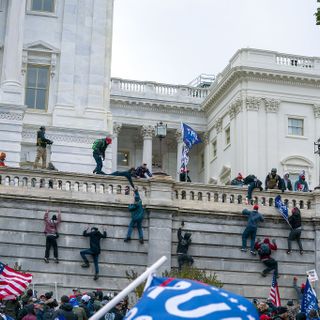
<point x="272" y="181"/>
<point x="76" y="306"/>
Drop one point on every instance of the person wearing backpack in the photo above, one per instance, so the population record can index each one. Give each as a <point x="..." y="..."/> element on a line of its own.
<point x="254" y="217"/>
<point x="264" y="250"/>
<point x="184" y="242"/>
<point x="99" y="152"/>
<point x="137" y="214"/>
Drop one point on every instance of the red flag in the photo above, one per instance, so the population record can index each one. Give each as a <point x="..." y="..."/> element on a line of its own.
<point x="12" y="283"/>
<point x="274" y="292"/>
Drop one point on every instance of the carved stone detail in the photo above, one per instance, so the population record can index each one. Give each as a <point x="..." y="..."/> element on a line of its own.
<point x="253" y="103"/>
<point x="218" y="125"/>
<point x="235" y="108"/>
<point x="272" y="105"/>
<point x="205" y="137"/>
<point x="316" y="110"/>
<point x="11" y="116"/>
<point x="116" y="128"/>
<point x="178" y="136"/>
<point x="147" y="132"/>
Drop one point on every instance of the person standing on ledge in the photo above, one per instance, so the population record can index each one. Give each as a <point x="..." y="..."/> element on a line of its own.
<point x="42" y="143"/>
<point x="99" y="152"/>
<point x="51" y="232"/>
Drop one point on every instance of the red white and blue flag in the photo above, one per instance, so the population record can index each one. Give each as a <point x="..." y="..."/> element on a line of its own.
<point x="179" y="299"/>
<point x="274" y="295"/>
<point x="12" y="283"/>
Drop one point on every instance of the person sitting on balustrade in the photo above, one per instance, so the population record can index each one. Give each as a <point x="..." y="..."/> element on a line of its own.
<point x="253" y="182"/>
<point x="301" y="184"/>
<point x="238" y="180"/>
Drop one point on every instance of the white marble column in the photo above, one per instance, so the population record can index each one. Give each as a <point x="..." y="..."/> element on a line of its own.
<point x="116" y="131"/>
<point x="147" y="133"/>
<point x="178" y="135"/>
<point x="11" y="85"/>
<point x="206" y="139"/>
<point x="315" y="180"/>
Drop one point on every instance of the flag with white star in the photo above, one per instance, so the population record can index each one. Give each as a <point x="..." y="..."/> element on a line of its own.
<point x="178" y="299"/>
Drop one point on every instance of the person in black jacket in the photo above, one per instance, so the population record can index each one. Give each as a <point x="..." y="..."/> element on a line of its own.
<point x="295" y="233"/>
<point x="95" y="237"/>
<point x="253" y="182"/>
<point x="184" y="175"/>
<point x="286" y="183"/>
<point x="182" y="249"/>
<point x="99" y="152"/>
<point x="65" y="310"/>
<point x="42" y="143"/>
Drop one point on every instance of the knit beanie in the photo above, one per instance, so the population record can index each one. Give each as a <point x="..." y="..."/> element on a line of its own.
<point x="256" y="207"/>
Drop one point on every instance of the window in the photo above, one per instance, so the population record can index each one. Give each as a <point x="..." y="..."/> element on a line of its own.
<point x="214" y="149"/>
<point x="123" y="158"/>
<point x="42" y="5"/>
<point x="295" y="127"/>
<point x="37" y="87"/>
<point x="227" y="135"/>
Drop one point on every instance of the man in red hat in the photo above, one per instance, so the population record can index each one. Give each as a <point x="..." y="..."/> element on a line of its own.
<point x="99" y="152"/>
<point x="238" y="180"/>
<point x="254" y="217"/>
<point x="264" y="250"/>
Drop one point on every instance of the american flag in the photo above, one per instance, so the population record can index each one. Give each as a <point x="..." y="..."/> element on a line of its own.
<point x="274" y="292"/>
<point x="12" y="283"/>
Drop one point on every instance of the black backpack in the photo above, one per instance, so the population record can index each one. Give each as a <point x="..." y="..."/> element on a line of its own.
<point x="264" y="250"/>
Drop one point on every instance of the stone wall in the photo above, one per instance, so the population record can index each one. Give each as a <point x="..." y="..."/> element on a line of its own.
<point x="215" y="221"/>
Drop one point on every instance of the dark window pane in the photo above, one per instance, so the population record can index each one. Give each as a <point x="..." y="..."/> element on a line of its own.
<point x="42" y="78"/>
<point x="41" y="99"/>
<point x="37" y="5"/>
<point x="30" y="97"/>
<point x="31" y="77"/>
<point x="48" y="5"/>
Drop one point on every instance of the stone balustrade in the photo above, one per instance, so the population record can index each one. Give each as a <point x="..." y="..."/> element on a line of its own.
<point x="181" y="195"/>
<point x="158" y="91"/>
<point x="295" y="61"/>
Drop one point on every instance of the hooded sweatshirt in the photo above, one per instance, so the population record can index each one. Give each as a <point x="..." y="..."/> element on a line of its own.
<point x="301" y="184"/>
<point x="51" y="225"/>
<point x="95" y="236"/>
<point x="65" y="310"/>
<point x="254" y="217"/>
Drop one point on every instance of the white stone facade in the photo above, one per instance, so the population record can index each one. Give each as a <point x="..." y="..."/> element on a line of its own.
<point x="72" y="40"/>
<point x="244" y="117"/>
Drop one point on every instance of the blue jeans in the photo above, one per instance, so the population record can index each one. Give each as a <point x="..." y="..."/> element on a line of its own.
<point x="139" y="227"/>
<point x="249" y="232"/>
<point x="99" y="165"/>
<point x="94" y="256"/>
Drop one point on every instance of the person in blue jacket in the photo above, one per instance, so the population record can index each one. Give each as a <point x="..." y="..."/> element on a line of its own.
<point x="137" y="214"/>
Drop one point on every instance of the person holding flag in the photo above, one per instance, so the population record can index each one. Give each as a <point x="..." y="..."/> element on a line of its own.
<point x="309" y="304"/>
<point x="190" y="138"/>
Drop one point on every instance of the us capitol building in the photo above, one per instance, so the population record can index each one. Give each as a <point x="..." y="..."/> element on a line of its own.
<point x="261" y="111"/>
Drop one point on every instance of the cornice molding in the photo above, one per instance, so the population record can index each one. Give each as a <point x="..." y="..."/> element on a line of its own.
<point x="157" y="107"/>
<point x="246" y="73"/>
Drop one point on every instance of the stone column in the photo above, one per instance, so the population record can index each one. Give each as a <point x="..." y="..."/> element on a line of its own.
<point x="206" y="139"/>
<point x="316" y="174"/>
<point x="116" y="131"/>
<point x="271" y="149"/>
<point x="252" y="134"/>
<point x="12" y="56"/>
<point x="147" y="133"/>
<point x="178" y="136"/>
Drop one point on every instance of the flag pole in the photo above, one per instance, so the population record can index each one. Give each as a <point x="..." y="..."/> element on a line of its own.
<point x="128" y="289"/>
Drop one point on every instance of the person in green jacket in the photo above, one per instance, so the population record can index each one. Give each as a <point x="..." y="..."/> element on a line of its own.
<point x="99" y="152"/>
<point x="137" y="214"/>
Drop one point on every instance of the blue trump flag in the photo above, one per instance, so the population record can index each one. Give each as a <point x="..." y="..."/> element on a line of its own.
<point x="189" y="136"/>
<point x="309" y="300"/>
<point x="282" y="208"/>
<point x="178" y="299"/>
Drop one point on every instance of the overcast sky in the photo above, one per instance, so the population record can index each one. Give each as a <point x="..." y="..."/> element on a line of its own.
<point x="174" y="41"/>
